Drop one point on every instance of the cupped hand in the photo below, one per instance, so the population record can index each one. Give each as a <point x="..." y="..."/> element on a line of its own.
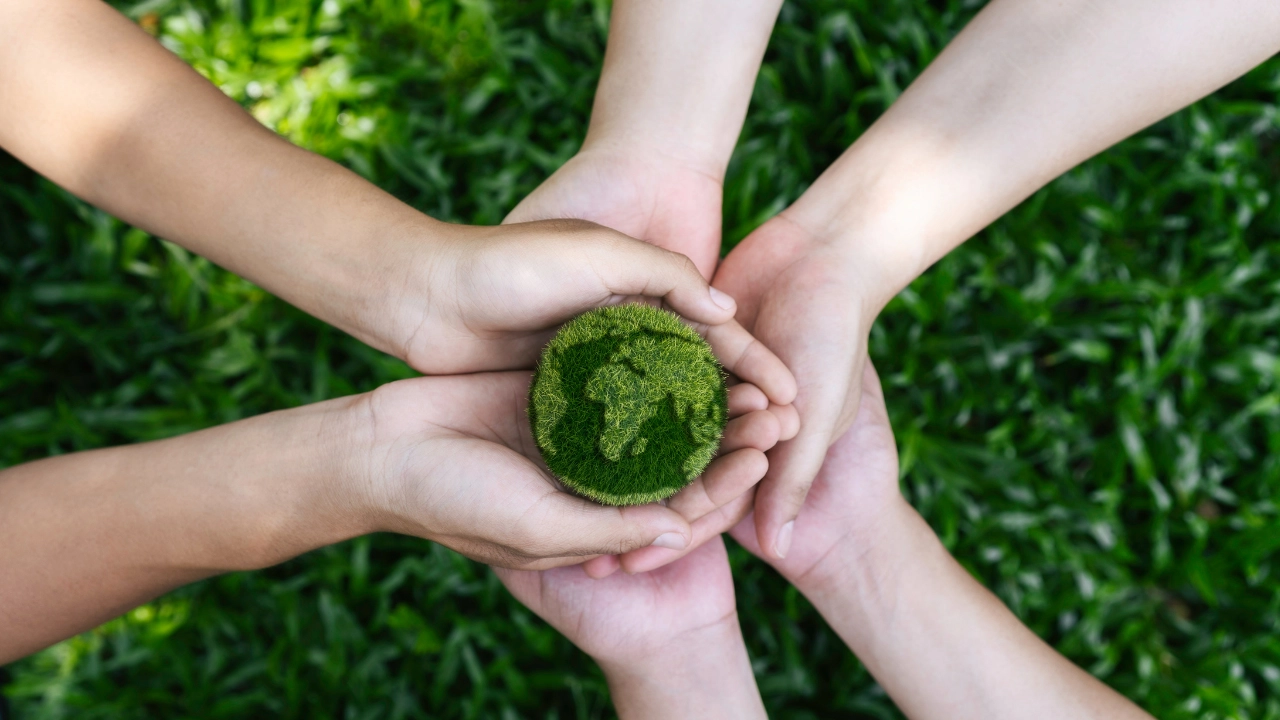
<point x="452" y="459"/>
<point x="489" y="298"/>
<point x="856" y="491"/>
<point x="804" y="299"/>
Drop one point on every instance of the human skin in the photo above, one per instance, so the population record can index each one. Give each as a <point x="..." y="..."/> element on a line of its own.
<point x="668" y="640"/>
<point x="673" y="93"/>
<point x="89" y="535"/>
<point x="938" y="642"/>
<point x="98" y="106"/>
<point x="1029" y="89"/>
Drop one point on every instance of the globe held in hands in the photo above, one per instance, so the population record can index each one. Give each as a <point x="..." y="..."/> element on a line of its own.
<point x="628" y="404"/>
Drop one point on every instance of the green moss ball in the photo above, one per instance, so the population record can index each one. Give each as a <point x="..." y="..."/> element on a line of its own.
<point x="628" y="404"/>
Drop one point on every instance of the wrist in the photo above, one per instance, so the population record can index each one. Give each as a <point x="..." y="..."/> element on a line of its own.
<point x="260" y="491"/>
<point x="862" y="585"/>
<point x="702" y="673"/>
<point x="649" y="96"/>
<point x="380" y="293"/>
<point x="903" y="196"/>
<point x="671" y="151"/>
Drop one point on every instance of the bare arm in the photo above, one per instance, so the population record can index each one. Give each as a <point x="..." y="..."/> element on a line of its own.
<point x="96" y="105"/>
<point x="86" y="536"/>
<point x="673" y="93"/>
<point x="89" y="535"/>
<point x="678" y="76"/>
<point x="668" y="640"/>
<point x="1027" y="90"/>
<point x="940" y="644"/>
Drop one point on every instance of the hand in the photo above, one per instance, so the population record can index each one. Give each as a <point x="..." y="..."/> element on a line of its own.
<point x="667" y="640"/>
<point x="854" y="496"/>
<point x="471" y="299"/>
<point x="452" y="459"/>
<point x="672" y="204"/>
<point x="809" y="301"/>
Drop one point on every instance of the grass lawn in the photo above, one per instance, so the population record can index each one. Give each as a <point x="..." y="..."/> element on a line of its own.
<point x="1086" y="395"/>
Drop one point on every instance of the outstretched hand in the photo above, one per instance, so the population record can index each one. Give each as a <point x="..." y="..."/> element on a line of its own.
<point x="803" y="299"/>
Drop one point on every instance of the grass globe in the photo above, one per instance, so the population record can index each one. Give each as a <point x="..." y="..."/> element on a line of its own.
<point x="628" y="404"/>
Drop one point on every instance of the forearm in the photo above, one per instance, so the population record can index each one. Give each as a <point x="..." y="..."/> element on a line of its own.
<point x="1029" y="89"/>
<point x="89" y="535"/>
<point x="96" y="105"/>
<point x="678" y="76"/>
<point x="708" y="676"/>
<point x="940" y="644"/>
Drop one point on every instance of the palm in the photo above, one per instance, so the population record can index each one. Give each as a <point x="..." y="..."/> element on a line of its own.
<point x="671" y="206"/>
<point x="800" y="299"/>
<point x="453" y="460"/>
<point x="623" y="617"/>
<point x="857" y="487"/>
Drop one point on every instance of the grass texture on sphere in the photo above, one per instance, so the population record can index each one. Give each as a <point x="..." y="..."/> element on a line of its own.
<point x="628" y="404"/>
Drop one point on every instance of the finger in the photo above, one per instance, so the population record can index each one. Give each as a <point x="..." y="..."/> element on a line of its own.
<point x="747" y="358"/>
<point x="745" y="398"/>
<point x="793" y="465"/>
<point x="759" y="430"/>
<point x="560" y="525"/>
<point x="724" y="489"/>
<point x="630" y="267"/>
<point x="708" y="527"/>
<point x="725" y="479"/>
<point x="788" y="420"/>
<point x="602" y="567"/>
<point x="828" y="358"/>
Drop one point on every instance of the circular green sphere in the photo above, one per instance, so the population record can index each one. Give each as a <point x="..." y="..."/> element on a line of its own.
<point x="628" y="404"/>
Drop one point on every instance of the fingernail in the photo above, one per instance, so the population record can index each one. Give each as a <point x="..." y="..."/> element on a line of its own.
<point x="673" y="541"/>
<point x="722" y="299"/>
<point x="783" y="543"/>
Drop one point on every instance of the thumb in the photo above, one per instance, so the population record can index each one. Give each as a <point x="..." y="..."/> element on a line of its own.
<point x="631" y="267"/>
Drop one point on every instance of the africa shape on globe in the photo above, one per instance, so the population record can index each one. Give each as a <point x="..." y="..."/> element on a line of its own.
<point x="628" y="404"/>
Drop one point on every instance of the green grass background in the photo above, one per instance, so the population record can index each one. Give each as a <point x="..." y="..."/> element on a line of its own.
<point x="1085" y="395"/>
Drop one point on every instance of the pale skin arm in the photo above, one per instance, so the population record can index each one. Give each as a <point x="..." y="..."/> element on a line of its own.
<point x="93" y="103"/>
<point x="939" y="643"/>
<point x="708" y="676"/>
<point x="84" y="537"/>
<point x="1029" y="89"/>
<point x="98" y="106"/>
<point x="673" y="93"/>
<point x="89" y="535"/>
